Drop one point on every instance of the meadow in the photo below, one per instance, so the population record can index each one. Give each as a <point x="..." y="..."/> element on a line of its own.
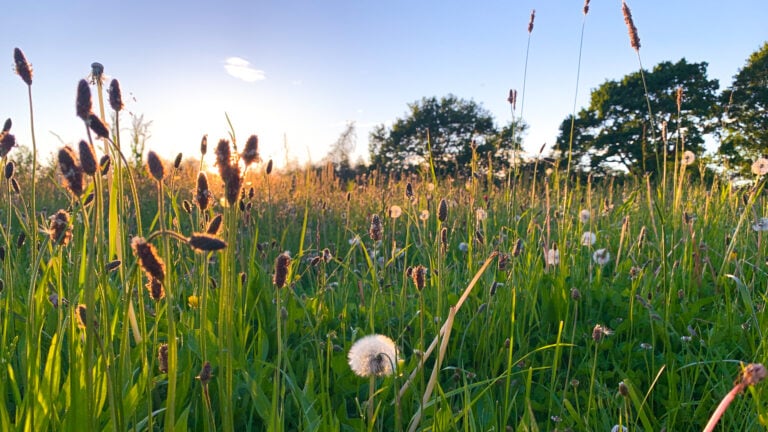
<point x="157" y="298"/>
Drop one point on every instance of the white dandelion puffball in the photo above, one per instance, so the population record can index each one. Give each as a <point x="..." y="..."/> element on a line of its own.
<point x="553" y="257"/>
<point x="760" y="225"/>
<point x="601" y="257"/>
<point x="373" y="355"/>
<point x="688" y="158"/>
<point x="464" y="247"/>
<point x="588" y="238"/>
<point x="424" y="215"/>
<point x="395" y="211"/>
<point x="760" y="167"/>
<point x="354" y="241"/>
<point x="481" y="215"/>
<point x="584" y="216"/>
<point x="619" y="428"/>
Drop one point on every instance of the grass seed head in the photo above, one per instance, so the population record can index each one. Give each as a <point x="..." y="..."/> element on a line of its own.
<point x="586" y="7"/>
<point x="206" y="242"/>
<point x="9" y="169"/>
<point x="281" y="269"/>
<point x="112" y="265"/>
<point x="251" y="151"/>
<point x="23" y="68"/>
<point x="203" y="195"/>
<point x="87" y="157"/>
<point x="155" y="166"/>
<point x="115" y="96"/>
<point x="444" y="238"/>
<point x="223" y="156"/>
<point x="148" y="259"/>
<point x="419" y="275"/>
<point x="162" y="358"/>
<point x="7" y="125"/>
<point x="177" y="161"/>
<point x="206" y="373"/>
<point x="7" y="143"/>
<point x="530" y="21"/>
<point x="269" y="167"/>
<point x="442" y="210"/>
<point x="376" y="230"/>
<point x="104" y="163"/>
<point x="214" y="225"/>
<point x="83" y="104"/>
<point x="15" y="185"/>
<point x="60" y="231"/>
<point x="97" y="126"/>
<point x="634" y="39"/>
<point x="187" y="206"/>
<point x="232" y="183"/>
<point x="600" y="332"/>
<point x="71" y="170"/>
<point x="204" y="145"/>
<point x="155" y="289"/>
<point x="21" y="239"/>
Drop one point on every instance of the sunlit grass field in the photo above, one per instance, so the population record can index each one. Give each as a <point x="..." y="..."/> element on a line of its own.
<point x="546" y="302"/>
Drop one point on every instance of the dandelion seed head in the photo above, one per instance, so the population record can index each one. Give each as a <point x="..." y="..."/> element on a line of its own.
<point x="424" y="215"/>
<point x="688" y="158"/>
<point x="481" y="215"/>
<point x="588" y="238"/>
<point x="395" y="211"/>
<point x="373" y="355"/>
<point x="463" y="247"/>
<point x="760" y="167"/>
<point x="584" y="216"/>
<point x="601" y="257"/>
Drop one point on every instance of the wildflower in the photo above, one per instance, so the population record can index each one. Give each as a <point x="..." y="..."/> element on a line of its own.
<point x="481" y="215"/>
<point x="60" y="231"/>
<point x="601" y="257"/>
<point x="205" y="374"/>
<point x="327" y="255"/>
<point x="424" y="215"/>
<point x="599" y="332"/>
<point x="71" y="170"/>
<point x="83" y="103"/>
<point x="162" y="358"/>
<point x="7" y="142"/>
<point x="584" y="216"/>
<point x="115" y="96"/>
<point x="376" y="229"/>
<point x="203" y="195"/>
<point x="761" y="224"/>
<point x="685" y="339"/>
<point x="281" y="269"/>
<point x="688" y="158"/>
<point x="588" y="238"/>
<point x="193" y="301"/>
<point x="553" y="256"/>
<point x="22" y="66"/>
<point x="575" y="294"/>
<point x="623" y="389"/>
<point x="148" y="258"/>
<point x="760" y="167"/>
<point x="395" y="211"/>
<point x="646" y="346"/>
<point x="251" y="151"/>
<point x="430" y="187"/>
<point x="373" y="355"/>
<point x="463" y="247"/>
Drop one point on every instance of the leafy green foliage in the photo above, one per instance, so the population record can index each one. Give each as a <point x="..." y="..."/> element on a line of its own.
<point x="615" y="130"/>
<point x="745" y="124"/>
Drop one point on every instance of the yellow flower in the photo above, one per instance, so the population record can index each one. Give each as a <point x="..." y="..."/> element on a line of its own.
<point x="193" y="301"/>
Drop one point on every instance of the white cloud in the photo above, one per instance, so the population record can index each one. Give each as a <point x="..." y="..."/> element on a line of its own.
<point x="241" y="68"/>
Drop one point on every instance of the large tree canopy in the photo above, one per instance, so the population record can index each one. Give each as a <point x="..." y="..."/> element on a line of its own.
<point x="745" y="124"/>
<point x="614" y="132"/>
<point x="446" y="129"/>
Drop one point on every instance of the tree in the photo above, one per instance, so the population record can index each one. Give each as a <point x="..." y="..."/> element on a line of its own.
<point x="444" y="131"/>
<point x="745" y="123"/>
<point x="615" y="130"/>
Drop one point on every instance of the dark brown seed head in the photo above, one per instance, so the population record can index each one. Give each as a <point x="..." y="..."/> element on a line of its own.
<point x="112" y="265"/>
<point x="623" y="389"/>
<point x="444" y="238"/>
<point x="575" y="294"/>
<point x="518" y="249"/>
<point x="148" y="258"/>
<point x="87" y="157"/>
<point x="177" y="161"/>
<point x="251" y="151"/>
<point x="155" y="166"/>
<point x="7" y="125"/>
<point x="409" y="190"/>
<point x="162" y="358"/>
<point x="187" y="206"/>
<point x="376" y="230"/>
<point x="269" y="167"/>
<point x="21" y="239"/>
<point x="60" y="231"/>
<point x="327" y="255"/>
<point x="7" y="143"/>
<point x="83" y="105"/>
<point x="232" y="182"/>
<point x="206" y="242"/>
<point x="634" y="39"/>
<point x="203" y="195"/>
<point x="15" y="185"/>
<point x="97" y="72"/>
<point x="223" y="155"/>
<point x="442" y="210"/>
<point x="97" y="126"/>
<point x="71" y="170"/>
<point x="155" y="288"/>
<point x="81" y="315"/>
<point x="530" y="21"/>
<point x="115" y="96"/>
<point x="9" y="169"/>
<point x="206" y="374"/>
<point x="104" y="164"/>
<point x="204" y="145"/>
<point x="419" y="274"/>
<point x="2" y="253"/>
<point x="22" y="66"/>
<point x="586" y="7"/>
<point x="281" y="270"/>
<point x="214" y="225"/>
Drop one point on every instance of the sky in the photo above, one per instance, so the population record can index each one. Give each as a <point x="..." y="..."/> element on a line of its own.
<point x="295" y="73"/>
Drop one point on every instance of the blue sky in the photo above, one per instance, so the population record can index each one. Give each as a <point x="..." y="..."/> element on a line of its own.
<point x="295" y="72"/>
